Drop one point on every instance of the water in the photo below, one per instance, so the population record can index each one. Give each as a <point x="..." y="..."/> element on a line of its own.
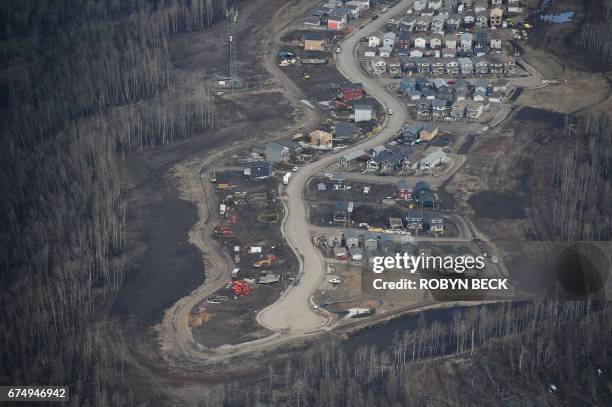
<point x="564" y="17"/>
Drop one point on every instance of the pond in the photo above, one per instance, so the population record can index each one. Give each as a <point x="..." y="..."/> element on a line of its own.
<point x="564" y="17"/>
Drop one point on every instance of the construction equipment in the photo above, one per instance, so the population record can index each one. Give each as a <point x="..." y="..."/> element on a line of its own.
<point x="305" y="76"/>
<point x="270" y="258"/>
<point x="213" y="177"/>
<point x="239" y="287"/>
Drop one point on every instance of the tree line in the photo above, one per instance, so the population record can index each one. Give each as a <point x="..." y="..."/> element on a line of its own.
<point x="596" y="34"/>
<point x="509" y="356"/>
<point x="582" y="210"/>
<point x="71" y="72"/>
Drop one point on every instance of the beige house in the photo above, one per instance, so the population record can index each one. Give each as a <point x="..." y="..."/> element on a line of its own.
<point x="313" y="41"/>
<point x="496" y="16"/>
<point x="321" y="139"/>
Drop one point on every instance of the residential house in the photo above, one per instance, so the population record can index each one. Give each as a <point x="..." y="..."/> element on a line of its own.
<point x="404" y="40"/>
<point x="466" y="41"/>
<point x="276" y="153"/>
<point x="448" y="52"/>
<point x="341" y="211"/>
<point x="501" y="85"/>
<point x="496" y="2"/>
<point x="460" y="89"/>
<point x="417" y="52"/>
<point x="379" y="66"/>
<point x="351" y="91"/>
<point x="363" y="113"/>
<point x="481" y="39"/>
<point x="466" y="66"/>
<point x="407" y="23"/>
<point x="435" y="42"/>
<point x="343" y="131"/>
<point x="351" y="238"/>
<point x="509" y="66"/>
<point x="438" y="108"/>
<point x="370" y="241"/>
<point x="434" y="4"/>
<point x="420" y="5"/>
<point x="422" y="83"/>
<point x="396" y="224"/>
<point x="356" y="253"/>
<point x="424" y="108"/>
<point x="473" y="110"/>
<point x="496" y="65"/>
<point x="469" y="19"/>
<point x="313" y="41"/>
<point x="440" y="85"/>
<point x="496" y="16"/>
<point x="259" y="169"/>
<point x="480" y="51"/>
<point x="479" y="95"/>
<point x="437" y="66"/>
<point x="389" y="39"/>
<point x="412" y="132"/>
<point x="425" y="197"/>
<point x="450" y="41"/>
<point x="428" y="132"/>
<point x="422" y="23"/>
<point x="437" y="23"/>
<point x="480" y="6"/>
<point x="457" y="110"/>
<point x="428" y="94"/>
<point x="387" y="243"/>
<point x="436" y="222"/>
<point x="354" y="10"/>
<point x="337" y="19"/>
<point x="385" y="51"/>
<point x="423" y="66"/>
<point x="414" y="221"/>
<point x="452" y="22"/>
<point x="421" y="40"/>
<point x="496" y="97"/>
<point x="481" y="65"/>
<point x="375" y="39"/>
<point x="414" y="95"/>
<point x="404" y="190"/>
<point x="482" y="20"/>
<point x="321" y="139"/>
<point x="370" y="52"/>
<point x="407" y="85"/>
<point x="352" y="158"/>
<point x="496" y="40"/>
<point x="394" y="67"/>
<point x="452" y="67"/>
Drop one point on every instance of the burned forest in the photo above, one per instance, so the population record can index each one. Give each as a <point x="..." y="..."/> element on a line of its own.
<point x="306" y="202"/>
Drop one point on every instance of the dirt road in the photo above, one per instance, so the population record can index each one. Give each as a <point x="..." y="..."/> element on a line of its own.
<point x="293" y="312"/>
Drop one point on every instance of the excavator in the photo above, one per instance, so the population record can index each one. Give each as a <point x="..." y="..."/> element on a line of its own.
<point x="270" y="258"/>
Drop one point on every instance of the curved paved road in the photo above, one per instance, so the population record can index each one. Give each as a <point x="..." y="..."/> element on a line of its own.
<point x="292" y="312"/>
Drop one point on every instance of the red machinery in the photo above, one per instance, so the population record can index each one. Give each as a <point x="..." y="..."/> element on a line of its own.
<point x="241" y="288"/>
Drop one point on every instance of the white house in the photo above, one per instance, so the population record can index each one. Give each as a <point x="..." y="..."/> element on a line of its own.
<point x="389" y="39"/>
<point x="363" y="113"/>
<point x="375" y="39"/>
<point x="433" y="159"/>
<point x="466" y="41"/>
<point x="420" y="41"/>
<point x="435" y="4"/>
<point x="379" y="66"/>
<point x="385" y="51"/>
